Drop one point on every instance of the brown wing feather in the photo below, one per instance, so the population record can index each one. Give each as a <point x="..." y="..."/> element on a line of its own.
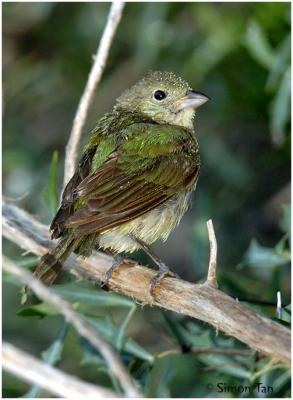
<point x="103" y="222"/>
<point x="127" y="197"/>
<point x="129" y="200"/>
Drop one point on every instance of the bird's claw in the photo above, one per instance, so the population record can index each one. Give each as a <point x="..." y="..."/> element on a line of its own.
<point x="105" y="280"/>
<point x="156" y="280"/>
<point x="109" y="273"/>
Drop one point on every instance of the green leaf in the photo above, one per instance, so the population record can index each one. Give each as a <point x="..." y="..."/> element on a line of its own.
<point x="40" y="310"/>
<point x="51" y="356"/>
<point x="159" y="379"/>
<point x="8" y="278"/>
<point x="24" y="294"/>
<point x="286" y="220"/>
<point x="27" y="262"/>
<point x="227" y="367"/>
<point x="234" y="370"/>
<point x="264" y="367"/>
<point x="280" y="63"/>
<point x="263" y="257"/>
<point x="74" y="293"/>
<point x="137" y="350"/>
<point x="51" y="194"/>
<point x="109" y="331"/>
<point x="282" y="247"/>
<point x="90" y="358"/>
<point x="281" y="381"/>
<point x="258" y="45"/>
<point x="281" y="109"/>
<point x="122" y="328"/>
<point x="287" y="310"/>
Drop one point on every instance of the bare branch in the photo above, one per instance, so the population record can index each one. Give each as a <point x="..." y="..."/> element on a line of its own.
<point x="79" y="323"/>
<point x="212" y="276"/>
<point x="206" y="351"/>
<point x="49" y="378"/>
<point x="198" y="301"/>
<point x="89" y="90"/>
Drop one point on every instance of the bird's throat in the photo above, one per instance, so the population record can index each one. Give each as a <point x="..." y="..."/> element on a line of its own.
<point x="185" y="118"/>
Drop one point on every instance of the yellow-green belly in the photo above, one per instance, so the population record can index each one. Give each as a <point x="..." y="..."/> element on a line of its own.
<point x="155" y="224"/>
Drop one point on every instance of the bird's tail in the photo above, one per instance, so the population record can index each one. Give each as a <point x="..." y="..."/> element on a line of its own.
<point x="51" y="263"/>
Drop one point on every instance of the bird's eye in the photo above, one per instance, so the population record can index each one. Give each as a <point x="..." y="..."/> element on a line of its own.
<point x="159" y="95"/>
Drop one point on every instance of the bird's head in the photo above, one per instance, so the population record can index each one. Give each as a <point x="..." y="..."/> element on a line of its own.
<point x="163" y="97"/>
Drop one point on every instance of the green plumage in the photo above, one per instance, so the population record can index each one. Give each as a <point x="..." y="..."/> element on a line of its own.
<point x="135" y="175"/>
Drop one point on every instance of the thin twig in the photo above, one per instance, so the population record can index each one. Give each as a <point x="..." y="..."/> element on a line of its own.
<point x="198" y="301"/>
<point x="79" y="323"/>
<point x="212" y="276"/>
<point x="49" y="378"/>
<point x="206" y="351"/>
<point x="89" y="90"/>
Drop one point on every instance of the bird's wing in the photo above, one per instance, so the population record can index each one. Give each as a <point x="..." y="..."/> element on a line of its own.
<point x="101" y="144"/>
<point x="153" y="164"/>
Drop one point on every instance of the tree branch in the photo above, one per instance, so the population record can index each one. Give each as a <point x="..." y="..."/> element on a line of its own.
<point x="89" y="90"/>
<point x="79" y="323"/>
<point x="49" y="378"/>
<point x="203" y="302"/>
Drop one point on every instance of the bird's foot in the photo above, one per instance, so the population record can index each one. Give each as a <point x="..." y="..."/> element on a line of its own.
<point x="118" y="261"/>
<point x="164" y="270"/>
<point x="156" y="280"/>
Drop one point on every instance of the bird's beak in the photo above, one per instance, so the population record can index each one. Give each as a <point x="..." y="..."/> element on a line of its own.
<point x="192" y="99"/>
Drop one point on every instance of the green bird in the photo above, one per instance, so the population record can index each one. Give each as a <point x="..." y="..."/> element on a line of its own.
<point x="135" y="178"/>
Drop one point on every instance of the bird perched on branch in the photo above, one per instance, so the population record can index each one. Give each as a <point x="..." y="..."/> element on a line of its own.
<point x="135" y="177"/>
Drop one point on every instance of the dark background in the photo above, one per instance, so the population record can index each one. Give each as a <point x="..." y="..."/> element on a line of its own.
<point x="239" y="55"/>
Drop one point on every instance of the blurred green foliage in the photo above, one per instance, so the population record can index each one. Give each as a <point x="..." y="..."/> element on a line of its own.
<point x="237" y="53"/>
<point x="51" y="194"/>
